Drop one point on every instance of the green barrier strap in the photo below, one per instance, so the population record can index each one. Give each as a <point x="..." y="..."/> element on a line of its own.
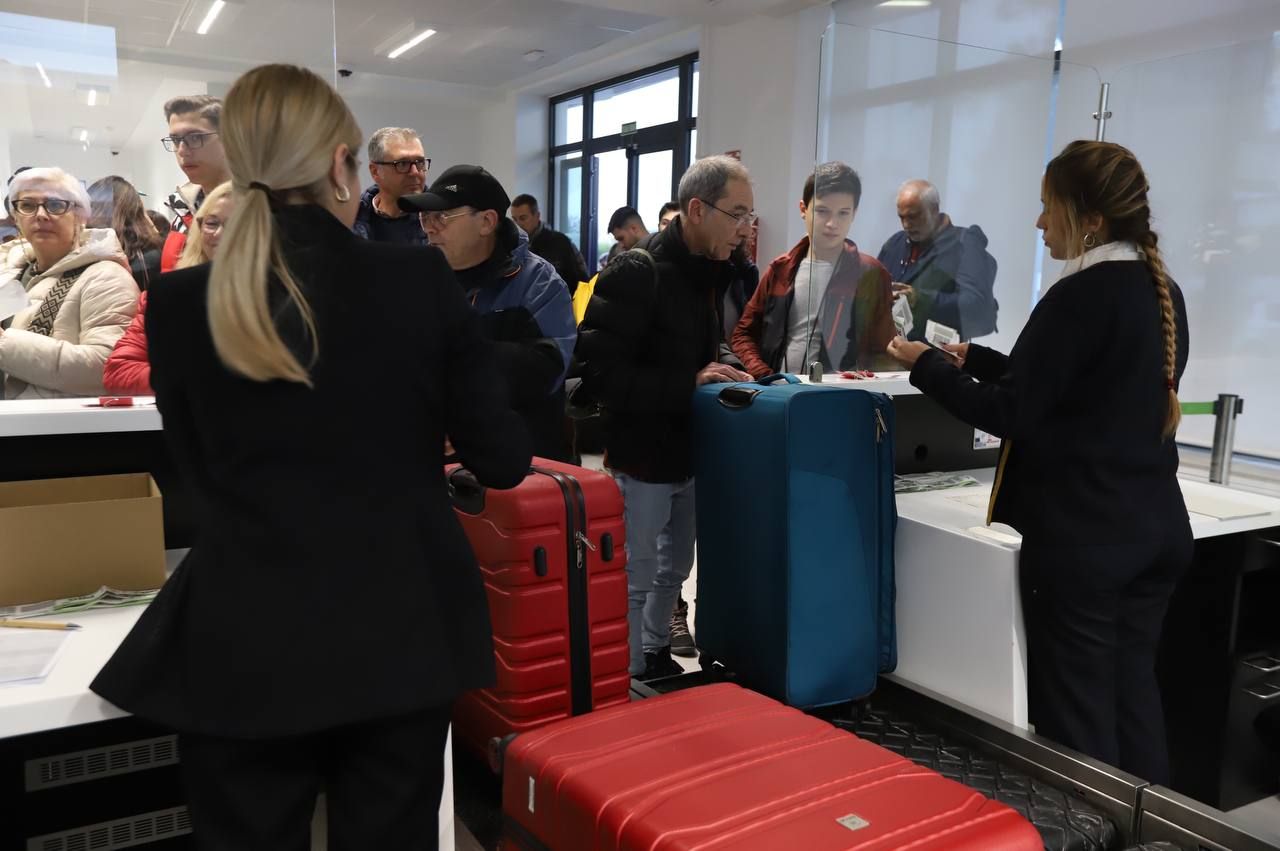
<point x="1190" y="409"/>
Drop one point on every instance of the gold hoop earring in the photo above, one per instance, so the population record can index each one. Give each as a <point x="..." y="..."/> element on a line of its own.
<point x="342" y="194"/>
<point x="1090" y="240"/>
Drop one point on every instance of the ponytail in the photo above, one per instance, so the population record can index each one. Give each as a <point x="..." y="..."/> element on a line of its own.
<point x="281" y="127"/>
<point x="1168" y="322"/>
<point x="244" y="331"/>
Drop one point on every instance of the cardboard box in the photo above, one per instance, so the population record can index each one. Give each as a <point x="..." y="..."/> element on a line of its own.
<point x="66" y="537"/>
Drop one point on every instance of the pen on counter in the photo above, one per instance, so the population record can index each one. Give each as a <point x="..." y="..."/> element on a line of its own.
<point x="17" y="624"/>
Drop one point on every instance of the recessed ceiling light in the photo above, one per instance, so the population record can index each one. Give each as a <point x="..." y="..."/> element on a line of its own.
<point x="93" y="97"/>
<point x="84" y="135"/>
<point x="48" y="84"/>
<point x="411" y="43"/>
<point x="212" y="16"/>
<point x="911" y="4"/>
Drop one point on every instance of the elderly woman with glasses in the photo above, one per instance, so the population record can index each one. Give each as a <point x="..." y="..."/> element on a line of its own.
<point x="66" y="293"/>
<point x="128" y="370"/>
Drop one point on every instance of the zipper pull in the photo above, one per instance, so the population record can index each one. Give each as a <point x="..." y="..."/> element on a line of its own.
<point x="586" y="542"/>
<point x="881" y="428"/>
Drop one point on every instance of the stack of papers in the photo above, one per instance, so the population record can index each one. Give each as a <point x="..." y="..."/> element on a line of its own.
<point x="920" y="482"/>
<point x="103" y="598"/>
<point x="28" y="655"/>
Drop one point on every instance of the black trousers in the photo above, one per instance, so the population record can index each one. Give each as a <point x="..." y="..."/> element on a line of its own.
<point x="1093" y="617"/>
<point x="382" y="781"/>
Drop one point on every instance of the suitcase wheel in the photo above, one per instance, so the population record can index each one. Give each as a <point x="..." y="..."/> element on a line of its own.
<point x="498" y="752"/>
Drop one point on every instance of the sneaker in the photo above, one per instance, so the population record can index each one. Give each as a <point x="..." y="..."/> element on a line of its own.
<point x="659" y="664"/>
<point x="681" y="639"/>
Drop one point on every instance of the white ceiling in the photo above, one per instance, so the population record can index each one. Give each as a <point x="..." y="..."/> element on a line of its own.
<point x="134" y="46"/>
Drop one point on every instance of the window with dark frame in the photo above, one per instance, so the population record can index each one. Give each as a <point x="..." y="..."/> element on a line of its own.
<point x="594" y="167"/>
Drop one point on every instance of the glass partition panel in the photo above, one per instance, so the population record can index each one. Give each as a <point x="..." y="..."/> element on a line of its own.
<point x="85" y="90"/>
<point x="969" y="129"/>
<point x="1206" y="127"/>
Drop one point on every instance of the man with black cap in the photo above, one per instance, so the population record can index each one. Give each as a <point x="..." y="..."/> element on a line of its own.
<point x="524" y="306"/>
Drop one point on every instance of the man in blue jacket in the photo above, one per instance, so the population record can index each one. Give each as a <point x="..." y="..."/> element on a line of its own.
<point x="398" y="165"/>
<point x="524" y="306"/>
<point x="943" y="270"/>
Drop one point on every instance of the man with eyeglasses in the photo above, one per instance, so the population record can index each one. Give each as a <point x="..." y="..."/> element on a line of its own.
<point x="651" y="335"/>
<point x="194" y="140"/>
<point x="399" y="166"/>
<point x="523" y="304"/>
<point x="824" y="301"/>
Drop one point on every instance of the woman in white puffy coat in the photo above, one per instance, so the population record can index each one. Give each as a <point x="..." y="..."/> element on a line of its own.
<point x="66" y="293"/>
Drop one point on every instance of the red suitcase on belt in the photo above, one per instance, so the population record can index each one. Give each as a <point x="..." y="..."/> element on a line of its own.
<point x="720" y="767"/>
<point x="551" y="551"/>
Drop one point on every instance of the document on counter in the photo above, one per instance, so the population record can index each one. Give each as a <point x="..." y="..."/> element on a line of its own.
<point x="976" y="500"/>
<point x="1220" y="507"/>
<point x="921" y="482"/>
<point x="103" y="598"/>
<point x="28" y="655"/>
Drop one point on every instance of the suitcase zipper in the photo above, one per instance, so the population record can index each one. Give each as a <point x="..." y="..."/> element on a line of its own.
<point x="881" y="428"/>
<point x="578" y="584"/>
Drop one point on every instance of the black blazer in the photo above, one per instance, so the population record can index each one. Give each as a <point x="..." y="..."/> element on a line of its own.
<point x="330" y="583"/>
<point x="1082" y="398"/>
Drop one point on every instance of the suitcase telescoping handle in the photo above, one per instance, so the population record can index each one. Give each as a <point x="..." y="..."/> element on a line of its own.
<point x="742" y="395"/>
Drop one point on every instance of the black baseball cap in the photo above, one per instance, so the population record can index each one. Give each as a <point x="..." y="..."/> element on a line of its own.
<point x="459" y="186"/>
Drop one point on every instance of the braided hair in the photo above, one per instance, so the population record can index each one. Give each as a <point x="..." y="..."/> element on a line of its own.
<point x="1106" y="179"/>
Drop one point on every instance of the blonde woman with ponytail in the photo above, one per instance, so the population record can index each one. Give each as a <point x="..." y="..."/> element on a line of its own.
<point x="1088" y="408"/>
<point x="307" y="381"/>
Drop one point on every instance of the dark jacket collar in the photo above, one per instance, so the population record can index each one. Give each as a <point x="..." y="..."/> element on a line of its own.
<point x="501" y="264"/>
<point x="306" y="224"/>
<point x="669" y="246"/>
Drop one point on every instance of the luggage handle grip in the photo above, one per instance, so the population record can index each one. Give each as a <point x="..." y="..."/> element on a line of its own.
<point x="737" y="397"/>
<point x="741" y="396"/>
<point x="465" y="492"/>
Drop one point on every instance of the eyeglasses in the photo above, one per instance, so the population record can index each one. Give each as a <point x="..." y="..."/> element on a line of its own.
<point x="52" y="206"/>
<point x="192" y="140"/>
<point x="422" y="164"/>
<point x="211" y="225"/>
<point x="437" y="221"/>
<point x="745" y="220"/>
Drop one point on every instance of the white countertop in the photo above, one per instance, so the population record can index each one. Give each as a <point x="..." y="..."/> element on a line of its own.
<point x="22" y="417"/>
<point x="961" y="510"/>
<point x="891" y="383"/>
<point x="64" y="699"/>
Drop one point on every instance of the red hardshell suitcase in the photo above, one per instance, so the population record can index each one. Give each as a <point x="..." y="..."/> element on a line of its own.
<point x="720" y="767"/>
<point x="554" y="563"/>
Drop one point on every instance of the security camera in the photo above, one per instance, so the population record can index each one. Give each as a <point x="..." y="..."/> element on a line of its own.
<point x="345" y="72"/>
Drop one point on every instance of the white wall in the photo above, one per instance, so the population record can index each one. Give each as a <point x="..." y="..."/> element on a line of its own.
<point x="449" y="130"/>
<point x="759" y="94"/>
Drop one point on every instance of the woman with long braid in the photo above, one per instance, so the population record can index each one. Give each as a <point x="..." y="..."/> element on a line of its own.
<point x="1087" y="405"/>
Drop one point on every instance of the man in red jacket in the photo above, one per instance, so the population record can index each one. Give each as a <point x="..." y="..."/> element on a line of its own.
<point x="824" y="300"/>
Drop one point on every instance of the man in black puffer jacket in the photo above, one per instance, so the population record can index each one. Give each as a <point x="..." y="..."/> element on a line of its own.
<point x="652" y="333"/>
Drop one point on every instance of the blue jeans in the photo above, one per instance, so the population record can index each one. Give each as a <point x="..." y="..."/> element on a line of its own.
<point x="661" y="529"/>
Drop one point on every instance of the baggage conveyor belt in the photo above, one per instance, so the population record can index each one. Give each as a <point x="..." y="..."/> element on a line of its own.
<point x="1076" y="804"/>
